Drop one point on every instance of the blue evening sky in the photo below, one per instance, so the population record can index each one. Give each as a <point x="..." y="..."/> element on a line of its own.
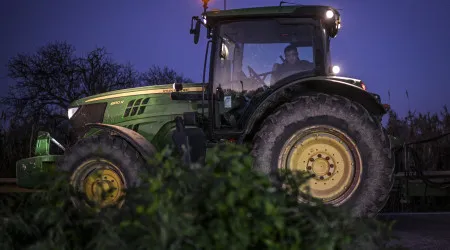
<point x="393" y="46"/>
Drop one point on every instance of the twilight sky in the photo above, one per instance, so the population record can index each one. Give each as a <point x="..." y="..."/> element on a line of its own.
<point x="394" y="45"/>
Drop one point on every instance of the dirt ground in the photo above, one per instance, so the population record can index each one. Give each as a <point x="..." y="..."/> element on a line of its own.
<point x="12" y="188"/>
<point x="421" y="230"/>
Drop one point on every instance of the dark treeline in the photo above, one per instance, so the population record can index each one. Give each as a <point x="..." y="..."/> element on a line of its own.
<point x="48" y="80"/>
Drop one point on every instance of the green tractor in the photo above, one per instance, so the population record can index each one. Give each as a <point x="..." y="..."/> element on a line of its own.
<point x="270" y="84"/>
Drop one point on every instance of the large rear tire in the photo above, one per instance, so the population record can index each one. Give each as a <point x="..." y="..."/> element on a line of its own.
<point x="101" y="168"/>
<point x="338" y="142"/>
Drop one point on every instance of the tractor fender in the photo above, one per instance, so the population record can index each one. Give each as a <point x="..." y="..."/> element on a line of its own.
<point x="318" y="84"/>
<point x="136" y="140"/>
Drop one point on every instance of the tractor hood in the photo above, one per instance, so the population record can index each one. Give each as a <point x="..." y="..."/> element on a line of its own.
<point x="125" y="93"/>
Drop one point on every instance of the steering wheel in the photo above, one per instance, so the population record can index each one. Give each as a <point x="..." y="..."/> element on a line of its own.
<point x="259" y="78"/>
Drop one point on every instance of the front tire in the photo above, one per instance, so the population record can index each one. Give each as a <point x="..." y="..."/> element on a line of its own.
<point x="338" y="142"/>
<point x="101" y="168"/>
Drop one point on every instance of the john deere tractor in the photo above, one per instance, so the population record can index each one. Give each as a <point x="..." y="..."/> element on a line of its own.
<point x="268" y="82"/>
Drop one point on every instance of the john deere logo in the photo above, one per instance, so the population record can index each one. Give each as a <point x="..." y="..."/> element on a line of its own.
<point x="116" y="102"/>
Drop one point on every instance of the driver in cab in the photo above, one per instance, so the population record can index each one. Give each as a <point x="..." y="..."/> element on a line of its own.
<point x="291" y="65"/>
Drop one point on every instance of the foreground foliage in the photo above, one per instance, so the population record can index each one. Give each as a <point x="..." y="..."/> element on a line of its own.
<point x="224" y="205"/>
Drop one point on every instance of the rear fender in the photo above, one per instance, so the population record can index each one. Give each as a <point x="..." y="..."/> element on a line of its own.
<point x="310" y="85"/>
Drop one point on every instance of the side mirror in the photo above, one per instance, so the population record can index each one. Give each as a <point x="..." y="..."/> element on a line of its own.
<point x="195" y="31"/>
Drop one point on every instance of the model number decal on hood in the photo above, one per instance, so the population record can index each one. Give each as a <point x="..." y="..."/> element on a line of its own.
<point x="116" y="102"/>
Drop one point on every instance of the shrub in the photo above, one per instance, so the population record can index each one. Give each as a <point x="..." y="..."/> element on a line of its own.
<point x="223" y="205"/>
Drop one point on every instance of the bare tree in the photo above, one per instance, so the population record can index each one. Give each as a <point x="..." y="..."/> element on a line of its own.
<point x="156" y="75"/>
<point x="98" y="73"/>
<point x="43" y="81"/>
<point x="49" y="80"/>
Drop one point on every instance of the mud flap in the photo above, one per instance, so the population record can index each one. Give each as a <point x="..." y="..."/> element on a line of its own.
<point x="190" y="142"/>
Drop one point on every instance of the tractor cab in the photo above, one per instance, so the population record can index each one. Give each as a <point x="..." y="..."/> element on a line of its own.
<point x="271" y="85"/>
<point x="255" y="51"/>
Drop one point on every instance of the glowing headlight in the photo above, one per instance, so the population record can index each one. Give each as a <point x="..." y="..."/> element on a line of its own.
<point x="329" y="14"/>
<point x="204" y="20"/>
<point x="336" y="69"/>
<point x="71" y="112"/>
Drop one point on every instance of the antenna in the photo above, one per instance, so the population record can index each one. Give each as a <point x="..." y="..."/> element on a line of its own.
<point x="407" y="97"/>
<point x="282" y="2"/>
<point x="224" y="4"/>
<point x="389" y="95"/>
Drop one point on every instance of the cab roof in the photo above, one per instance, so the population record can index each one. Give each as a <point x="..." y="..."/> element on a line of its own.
<point x="306" y="11"/>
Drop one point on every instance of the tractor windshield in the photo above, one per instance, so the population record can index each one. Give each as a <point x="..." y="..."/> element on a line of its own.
<point x="258" y="53"/>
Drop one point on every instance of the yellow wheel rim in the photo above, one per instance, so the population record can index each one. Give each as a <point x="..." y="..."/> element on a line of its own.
<point x="101" y="181"/>
<point x="330" y="157"/>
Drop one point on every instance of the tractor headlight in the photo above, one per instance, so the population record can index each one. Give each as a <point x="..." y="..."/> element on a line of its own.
<point x="329" y="14"/>
<point x="332" y="22"/>
<point x="336" y="69"/>
<point x="71" y="112"/>
<point x="204" y="19"/>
